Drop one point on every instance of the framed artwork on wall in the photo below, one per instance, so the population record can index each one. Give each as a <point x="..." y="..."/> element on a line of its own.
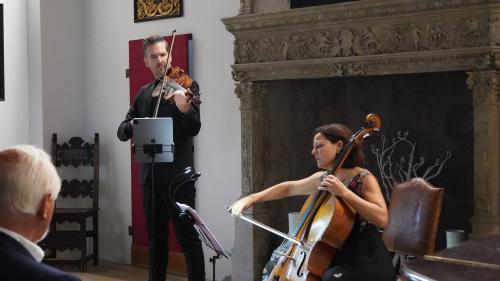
<point x="146" y="10"/>
<point x="2" y="72"/>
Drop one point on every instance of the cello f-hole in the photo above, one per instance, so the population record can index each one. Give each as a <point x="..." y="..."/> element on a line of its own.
<point x="299" y="269"/>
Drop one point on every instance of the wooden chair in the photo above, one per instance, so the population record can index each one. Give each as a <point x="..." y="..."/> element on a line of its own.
<point x="78" y="202"/>
<point x="414" y="213"/>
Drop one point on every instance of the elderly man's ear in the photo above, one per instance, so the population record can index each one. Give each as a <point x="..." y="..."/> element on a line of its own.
<point x="46" y="207"/>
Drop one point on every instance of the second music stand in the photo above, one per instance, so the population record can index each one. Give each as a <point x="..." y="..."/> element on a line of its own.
<point x="205" y="233"/>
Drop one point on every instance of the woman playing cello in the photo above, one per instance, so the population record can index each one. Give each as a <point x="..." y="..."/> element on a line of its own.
<point x="363" y="255"/>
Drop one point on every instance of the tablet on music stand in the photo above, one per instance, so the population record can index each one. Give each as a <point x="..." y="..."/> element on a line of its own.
<point x="153" y="136"/>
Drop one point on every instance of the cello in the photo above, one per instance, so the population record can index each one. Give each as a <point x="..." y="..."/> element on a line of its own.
<point x="325" y="224"/>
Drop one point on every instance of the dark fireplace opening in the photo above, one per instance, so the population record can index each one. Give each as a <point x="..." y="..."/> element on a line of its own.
<point x="435" y="109"/>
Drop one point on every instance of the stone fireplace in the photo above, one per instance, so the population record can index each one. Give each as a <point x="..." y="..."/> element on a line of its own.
<point x="427" y="66"/>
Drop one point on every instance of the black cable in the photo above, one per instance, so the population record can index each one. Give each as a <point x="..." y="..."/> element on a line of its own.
<point x="186" y="171"/>
<point x="192" y="177"/>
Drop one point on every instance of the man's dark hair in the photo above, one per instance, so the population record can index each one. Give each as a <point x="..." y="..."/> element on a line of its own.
<point x="151" y="40"/>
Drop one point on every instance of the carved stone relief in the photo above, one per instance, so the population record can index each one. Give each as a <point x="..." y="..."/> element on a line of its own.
<point x="485" y="86"/>
<point x="364" y="40"/>
<point x="245" y="7"/>
<point x="382" y="65"/>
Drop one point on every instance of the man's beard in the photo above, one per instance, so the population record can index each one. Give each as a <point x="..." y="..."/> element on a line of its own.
<point x="160" y="73"/>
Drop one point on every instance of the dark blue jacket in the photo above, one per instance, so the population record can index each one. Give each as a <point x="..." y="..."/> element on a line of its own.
<point x="17" y="264"/>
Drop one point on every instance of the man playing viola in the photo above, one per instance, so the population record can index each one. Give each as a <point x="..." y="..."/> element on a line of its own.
<point x="186" y="123"/>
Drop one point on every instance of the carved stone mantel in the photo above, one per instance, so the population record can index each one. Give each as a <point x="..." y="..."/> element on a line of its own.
<point x="360" y="38"/>
<point x="365" y="38"/>
<point x="485" y="86"/>
<point x="248" y="259"/>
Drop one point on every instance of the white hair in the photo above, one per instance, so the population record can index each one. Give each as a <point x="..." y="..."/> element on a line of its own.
<point x="26" y="175"/>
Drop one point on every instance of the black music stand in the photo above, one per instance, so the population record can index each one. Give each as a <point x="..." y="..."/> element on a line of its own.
<point x="206" y="235"/>
<point x="153" y="143"/>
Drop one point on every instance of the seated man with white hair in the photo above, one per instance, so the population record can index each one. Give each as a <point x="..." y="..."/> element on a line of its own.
<point x="29" y="185"/>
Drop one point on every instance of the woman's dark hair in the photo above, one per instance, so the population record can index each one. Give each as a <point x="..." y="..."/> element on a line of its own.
<point x="335" y="132"/>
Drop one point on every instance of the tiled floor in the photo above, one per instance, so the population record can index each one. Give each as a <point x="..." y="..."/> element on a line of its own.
<point x="107" y="271"/>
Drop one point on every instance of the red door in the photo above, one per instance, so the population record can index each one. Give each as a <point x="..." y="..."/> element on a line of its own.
<point x="140" y="75"/>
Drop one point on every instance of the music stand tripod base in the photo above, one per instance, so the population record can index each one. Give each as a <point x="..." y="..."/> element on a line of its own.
<point x="153" y="143"/>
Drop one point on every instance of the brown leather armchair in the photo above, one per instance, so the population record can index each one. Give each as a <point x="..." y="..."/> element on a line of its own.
<point x="414" y="213"/>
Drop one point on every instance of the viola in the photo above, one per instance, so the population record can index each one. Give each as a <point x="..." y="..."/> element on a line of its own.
<point x="179" y="76"/>
<point x="174" y="79"/>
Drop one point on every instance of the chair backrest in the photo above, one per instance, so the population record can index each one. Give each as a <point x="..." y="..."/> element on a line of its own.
<point x="76" y="152"/>
<point x="414" y="213"/>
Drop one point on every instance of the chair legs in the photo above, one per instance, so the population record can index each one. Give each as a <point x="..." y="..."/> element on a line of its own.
<point x="399" y="262"/>
<point x="70" y="239"/>
<point x="95" y="241"/>
<point x="83" y="244"/>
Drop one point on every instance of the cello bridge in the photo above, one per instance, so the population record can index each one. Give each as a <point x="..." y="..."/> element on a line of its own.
<point x="288" y="257"/>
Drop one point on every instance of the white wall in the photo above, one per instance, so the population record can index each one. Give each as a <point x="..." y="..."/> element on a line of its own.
<point x="35" y="73"/>
<point x="74" y="54"/>
<point x="62" y="65"/>
<point x="15" y="110"/>
<point x="108" y="26"/>
<point x="43" y="71"/>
